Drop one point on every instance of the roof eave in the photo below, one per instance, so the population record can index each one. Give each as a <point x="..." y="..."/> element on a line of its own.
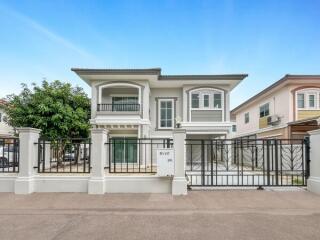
<point x="93" y="71"/>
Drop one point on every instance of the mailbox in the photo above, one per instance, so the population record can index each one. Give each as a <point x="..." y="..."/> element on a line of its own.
<point x="165" y="162"/>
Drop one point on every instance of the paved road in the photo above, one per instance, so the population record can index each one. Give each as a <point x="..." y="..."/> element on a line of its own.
<point x="200" y="215"/>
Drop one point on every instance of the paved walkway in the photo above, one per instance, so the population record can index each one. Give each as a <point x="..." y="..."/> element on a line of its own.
<point x="231" y="214"/>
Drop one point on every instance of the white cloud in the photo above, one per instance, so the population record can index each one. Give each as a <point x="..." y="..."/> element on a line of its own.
<point x="46" y="32"/>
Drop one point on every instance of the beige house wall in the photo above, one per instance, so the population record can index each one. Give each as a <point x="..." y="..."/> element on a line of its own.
<point x="282" y="102"/>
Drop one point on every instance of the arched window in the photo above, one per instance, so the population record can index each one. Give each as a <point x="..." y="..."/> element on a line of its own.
<point x="206" y="98"/>
<point x="206" y="104"/>
<point x="308" y="99"/>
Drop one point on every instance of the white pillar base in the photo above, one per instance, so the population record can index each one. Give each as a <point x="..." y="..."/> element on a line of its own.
<point x="24" y="185"/>
<point x="96" y="186"/>
<point x="179" y="186"/>
<point x="314" y="184"/>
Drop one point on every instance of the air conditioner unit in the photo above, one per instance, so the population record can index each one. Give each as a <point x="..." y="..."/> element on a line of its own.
<point x="273" y="120"/>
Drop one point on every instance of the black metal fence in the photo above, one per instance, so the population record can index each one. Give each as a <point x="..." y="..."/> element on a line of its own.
<point x="9" y="155"/>
<point x="135" y="155"/>
<point x="64" y="155"/>
<point x="246" y="162"/>
<point x="128" y="107"/>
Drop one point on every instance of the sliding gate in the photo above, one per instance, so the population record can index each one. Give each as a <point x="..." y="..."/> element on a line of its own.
<point x="247" y="162"/>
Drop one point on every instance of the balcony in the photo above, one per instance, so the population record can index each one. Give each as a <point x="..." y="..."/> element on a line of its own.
<point x="126" y="107"/>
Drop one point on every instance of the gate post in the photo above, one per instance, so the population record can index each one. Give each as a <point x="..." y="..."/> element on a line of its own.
<point x="28" y="152"/>
<point x="313" y="182"/>
<point x="179" y="182"/>
<point x="99" y="137"/>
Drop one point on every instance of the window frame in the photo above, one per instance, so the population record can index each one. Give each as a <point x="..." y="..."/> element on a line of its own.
<point x="314" y="100"/>
<point x="307" y="92"/>
<point x="193" y="100"/>
<point x="264" y="110"/>
<point x="246" y="118"/>
<point x="203" y="100"/>
<point x="172" y="113"/>
<point x="304" y="100"/>
<point x="214" y="105"/>
<point x="201" y="91"/>
<point x="234" y="128"/>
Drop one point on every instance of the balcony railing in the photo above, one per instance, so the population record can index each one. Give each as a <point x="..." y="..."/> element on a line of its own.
<point x="128" y="107"/>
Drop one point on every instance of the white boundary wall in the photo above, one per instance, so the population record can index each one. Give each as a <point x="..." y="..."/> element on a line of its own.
<point x="28" y="180"/>
<point x="112" y="184"/>
<point x="314" y="179"/>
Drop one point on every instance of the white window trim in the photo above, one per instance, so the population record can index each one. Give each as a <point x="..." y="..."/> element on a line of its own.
<point x="212" y="101"/>
<point x="307" y="92"/>
<point x="267" y="103"/>
<point x="315" y="107"/>
<point x="159" y="113"/>
<point x="304" y="100"/>
<point x="205" y="91"/>
<point x="209" y="100"/>
<point x="245" y="114"/>
<point x="199" y="94"/>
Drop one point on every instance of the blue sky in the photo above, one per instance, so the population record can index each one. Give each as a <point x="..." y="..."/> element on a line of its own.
<point x="266" y="39"/>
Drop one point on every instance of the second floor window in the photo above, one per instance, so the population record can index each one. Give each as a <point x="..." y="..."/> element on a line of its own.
<point x="312" y="101"/>
<point x="300" y="100"/>
<point x="264" y="110"/>
<point x="217" y="100"/>
<point x="234" y="128"/>
<point x="308" y="99"/>
<point x="206" y="100"/>
<point x="195" y="100"/>
<point x="246" y="117"/>
<point x="166" y="113"/>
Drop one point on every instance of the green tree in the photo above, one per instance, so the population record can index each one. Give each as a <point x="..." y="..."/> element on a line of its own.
<point x="58" y="109"/>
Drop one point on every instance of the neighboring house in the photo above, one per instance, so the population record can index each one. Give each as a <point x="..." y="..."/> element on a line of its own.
<point x="289" y="108"/>
<point x="5" y="129"/>
<point x="142" y="103"/>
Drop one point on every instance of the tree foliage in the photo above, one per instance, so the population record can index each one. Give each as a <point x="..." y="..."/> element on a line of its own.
<point x="58" y="109"/>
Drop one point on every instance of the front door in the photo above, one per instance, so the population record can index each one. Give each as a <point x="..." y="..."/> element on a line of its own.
<point x="125" y="150"/>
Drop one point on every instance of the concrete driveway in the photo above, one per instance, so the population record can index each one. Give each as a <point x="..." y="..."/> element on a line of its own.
<point x="220" y="214"/>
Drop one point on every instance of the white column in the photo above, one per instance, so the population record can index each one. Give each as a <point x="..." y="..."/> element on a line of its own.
<point x="314" y="179"/>
<point x="28" y="155"/>
<point x="179" y="182"/>
<point x="145" y="103"/>
<point x="96" y="184"/>
<point x="47" y="158"/>
<point x="94" y="100"/>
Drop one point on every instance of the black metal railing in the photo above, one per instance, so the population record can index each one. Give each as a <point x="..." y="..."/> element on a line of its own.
<point x="247" y="162"/>
<point x="135" y="155"/>
<point x="9" y="155"/>
<point x="128" y="107"/>
<point x="64" y="155"/>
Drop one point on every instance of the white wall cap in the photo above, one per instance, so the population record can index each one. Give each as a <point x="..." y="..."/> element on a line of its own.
<point x="314" y="132"/>
<point x="179" y="130"/>
<point x="99" y="131"/>
<point x="28" y="130"/>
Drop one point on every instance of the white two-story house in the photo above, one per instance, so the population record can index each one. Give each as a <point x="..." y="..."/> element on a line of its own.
<point x="142" y="103"/>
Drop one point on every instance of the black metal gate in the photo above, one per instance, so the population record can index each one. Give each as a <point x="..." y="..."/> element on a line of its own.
<point x="247" y="162"/>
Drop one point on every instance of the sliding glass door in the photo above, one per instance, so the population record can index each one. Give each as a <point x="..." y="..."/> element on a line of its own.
<point x="125" y="150"/>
